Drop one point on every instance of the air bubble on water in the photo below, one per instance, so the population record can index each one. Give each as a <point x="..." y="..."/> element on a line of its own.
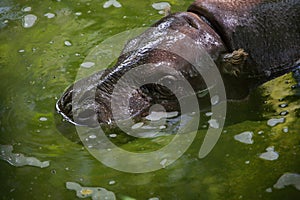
<point x="137" y="125"/>
<point x="163" y="162"/>
<point x="288" y="179"/>
<point x="284" y="113"/>
<point x="110" y="3"/>
<point x="213" y="123"/>
<point x="245" y="137"/>
<point x="87" y="64"/>
<point x="68" y="43"/>
<point x="208" y="114"/>
<point x="260" y="132"/>
<point x="161" y="5"/>
<point x="27" y="9"/>
<point x="283" y="105"/>
<point x="92" y="136"/>
<point x="270" y="154"/>
<point x="29" y="20"/>
<point x="49" y="15"/>
<point x="274" y="122"/>
<point x="269" y="190"/>
<point x="113" y="135"/>
<point x="153" y="198"/>
<point x="112" y="182"/>
<point x="43" y="119"/>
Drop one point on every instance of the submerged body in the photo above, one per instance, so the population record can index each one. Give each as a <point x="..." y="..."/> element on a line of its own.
<point x="251" y="42"/>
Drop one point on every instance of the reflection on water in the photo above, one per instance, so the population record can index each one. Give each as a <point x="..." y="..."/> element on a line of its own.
<point x="39" y="62"/>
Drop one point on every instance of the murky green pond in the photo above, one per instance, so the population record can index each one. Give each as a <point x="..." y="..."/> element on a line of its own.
<point x="39" y="61"/>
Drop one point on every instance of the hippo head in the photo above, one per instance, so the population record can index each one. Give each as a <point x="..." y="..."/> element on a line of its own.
<point x="155" y="68"/>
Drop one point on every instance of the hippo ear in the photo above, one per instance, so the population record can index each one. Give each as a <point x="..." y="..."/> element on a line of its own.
<point x="232" y="63"/>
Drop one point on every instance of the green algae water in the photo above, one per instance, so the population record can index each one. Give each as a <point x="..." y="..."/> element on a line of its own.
<point x="43" y="44"/>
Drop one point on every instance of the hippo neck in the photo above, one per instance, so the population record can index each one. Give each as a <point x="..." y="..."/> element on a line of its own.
<point x="255" y="27"/>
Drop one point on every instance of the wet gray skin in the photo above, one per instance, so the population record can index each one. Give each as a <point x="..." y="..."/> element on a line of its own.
<point x="264" y="33"/>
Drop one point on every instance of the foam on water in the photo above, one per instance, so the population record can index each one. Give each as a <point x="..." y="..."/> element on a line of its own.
<point x="245" y="137"/>
<point x="274" y="122"/>
<point x="288" y="179"/>
<point x="270" y="154"/>
<point x="18" y="159"/>
<point x="95" y="193"/>
<point x="29" y="20"/>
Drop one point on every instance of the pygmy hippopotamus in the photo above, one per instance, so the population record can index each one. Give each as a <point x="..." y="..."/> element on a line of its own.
<point x="251" y="42"/>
